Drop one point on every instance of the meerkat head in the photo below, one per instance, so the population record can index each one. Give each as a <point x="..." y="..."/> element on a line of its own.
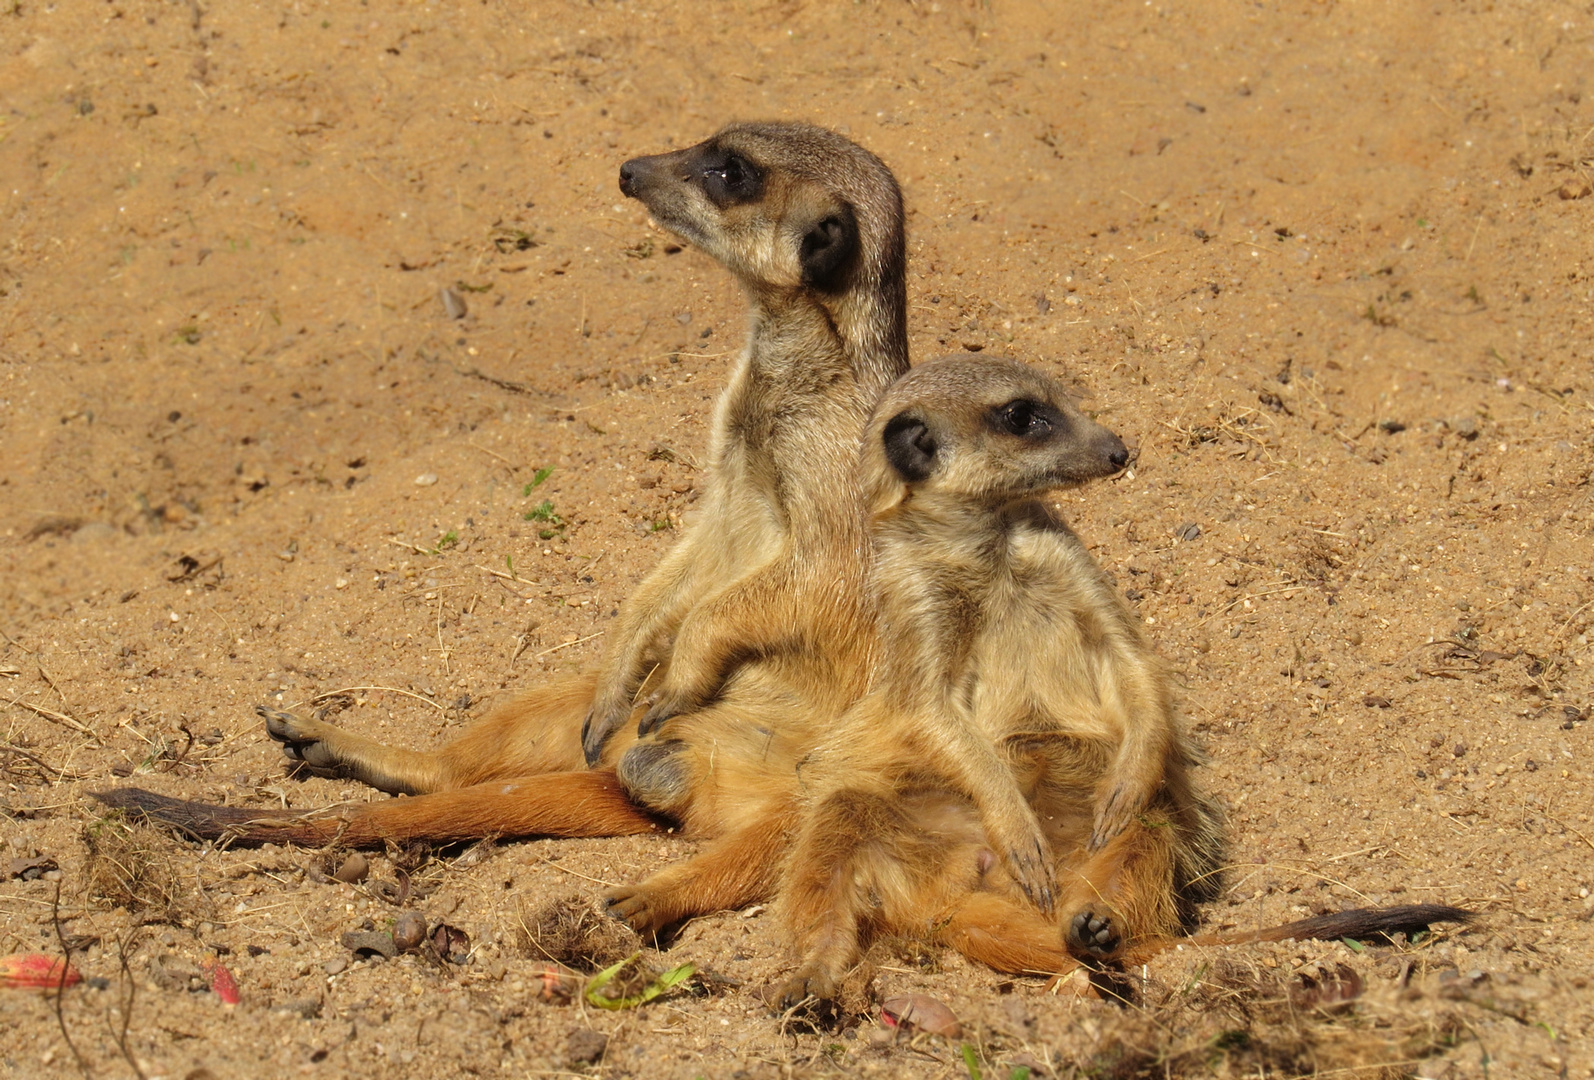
<point x="784" y="206"/>
<point x="981" y="429"/>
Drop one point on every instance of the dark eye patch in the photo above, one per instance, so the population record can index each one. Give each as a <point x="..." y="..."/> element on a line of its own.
<point x="729" y="178"/>
<point x="1027" y="419"/>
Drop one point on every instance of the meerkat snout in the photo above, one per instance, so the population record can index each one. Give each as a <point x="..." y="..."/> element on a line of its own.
<point x="1113" y="450"/>
<point x="628" y="177"/>
<point x="1082" y="448"/>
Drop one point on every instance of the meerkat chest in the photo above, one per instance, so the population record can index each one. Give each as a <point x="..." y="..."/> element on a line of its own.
<point x="1045" y="658"/>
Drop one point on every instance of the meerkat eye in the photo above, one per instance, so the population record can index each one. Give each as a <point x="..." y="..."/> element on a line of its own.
<point x="1026" y="419"/>
<point x="730" y="179"/>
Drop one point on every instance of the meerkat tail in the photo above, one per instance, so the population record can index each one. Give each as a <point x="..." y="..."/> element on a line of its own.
<point x="576" y="804"/>
<point x="1355" y="924"/>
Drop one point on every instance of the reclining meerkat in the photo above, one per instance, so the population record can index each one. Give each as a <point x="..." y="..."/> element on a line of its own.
<point x="1009" y="665"/>
<point x="812" y="227"/>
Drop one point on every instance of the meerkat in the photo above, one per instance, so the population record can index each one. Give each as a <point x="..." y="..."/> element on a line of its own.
<point x="811" y="227"/>
<point x="1010" y="668"/>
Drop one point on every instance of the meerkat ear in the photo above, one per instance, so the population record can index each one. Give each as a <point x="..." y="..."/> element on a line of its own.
<point x="828" y="247"/>
<point x="910" y="447"/>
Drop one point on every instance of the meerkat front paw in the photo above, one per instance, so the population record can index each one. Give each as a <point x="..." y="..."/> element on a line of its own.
<point x="807" y="984"/>
<point x="1093" y="934"/>
<point x="1027" y="857"/>
<point x="637" y="906"/>
<point x="663" y="706"/>
<point x="603" y="720"/>
<point x="1113" y="814"/>
<point x="1031" y="866"/>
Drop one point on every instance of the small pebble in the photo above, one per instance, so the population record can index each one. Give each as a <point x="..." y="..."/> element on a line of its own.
<point x="308" y="1008"/>
<point x="335" y="965"/>
<point x="353" y="870"/>
<point x="1466" y="427"/>
<point x="1187" y="532"/>
<point x="370" y="943"/>
<point x="426" y="479"/>
<point x="453" y="304"/>
<point x="409" y="930"/>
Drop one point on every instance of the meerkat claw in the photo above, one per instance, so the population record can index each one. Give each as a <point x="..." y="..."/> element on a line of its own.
<point x="654" y="718"/>
<point x="1030" y="866"/>
<point x="599" y="725"/>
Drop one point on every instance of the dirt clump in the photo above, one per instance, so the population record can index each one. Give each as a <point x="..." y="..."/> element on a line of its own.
<point x="141" y="870"/>
<point x="574" y="930"/>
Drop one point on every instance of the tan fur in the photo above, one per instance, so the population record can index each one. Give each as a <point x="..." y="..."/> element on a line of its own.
<point x="1016" y="696"/>
<point x="1011" y="673"/>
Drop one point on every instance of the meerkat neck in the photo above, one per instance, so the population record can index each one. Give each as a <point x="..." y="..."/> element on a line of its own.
<point x="874" y="324"/>
<point x="869" y="325"/>
<point x="794" y="339"/>
<point x="945" y="522"/>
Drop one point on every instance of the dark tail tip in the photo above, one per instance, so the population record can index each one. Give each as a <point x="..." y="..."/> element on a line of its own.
<point x="1379" y="923"/>
<point x="201" y="821"/>
<point x="137" y="802"/>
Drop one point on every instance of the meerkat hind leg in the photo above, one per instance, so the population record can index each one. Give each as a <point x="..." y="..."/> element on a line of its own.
<point x="329" y="751"/>
<point x="535" y="731"/>
<point x="1005" y="934"/>
<point x="732" y="871"/>
<point x="846" y="839"/>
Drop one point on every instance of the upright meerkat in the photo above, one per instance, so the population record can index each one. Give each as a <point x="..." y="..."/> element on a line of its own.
<point x="811" y="225"/>
<point x="1010" y="664"/>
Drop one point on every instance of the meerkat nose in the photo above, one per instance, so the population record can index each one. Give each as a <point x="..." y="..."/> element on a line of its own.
<point x="628" y="173"/>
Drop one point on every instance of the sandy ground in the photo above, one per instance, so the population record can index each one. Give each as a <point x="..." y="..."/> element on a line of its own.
<point x="1327" y="264"/>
